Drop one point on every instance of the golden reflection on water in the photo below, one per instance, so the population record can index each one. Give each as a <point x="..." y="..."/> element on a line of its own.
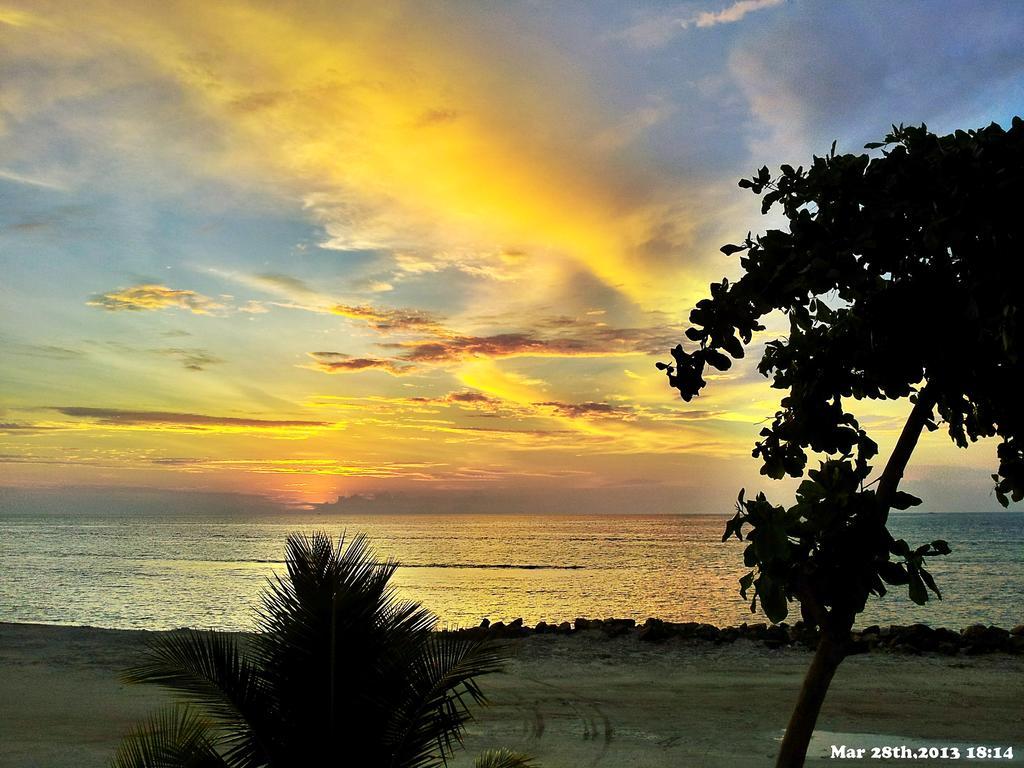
<point x="160" y="573"/>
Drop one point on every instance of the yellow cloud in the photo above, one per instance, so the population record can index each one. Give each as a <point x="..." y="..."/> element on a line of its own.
<point x="13" y="17"/>
<point x="151" y="297"/>
<point x="403" y="130"/>
<point x="486" y="376"/>
<point x="416" y="130"/>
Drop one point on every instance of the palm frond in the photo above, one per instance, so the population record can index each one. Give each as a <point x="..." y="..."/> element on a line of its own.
<point x="326" y="633"/>
<point x="175" y="737"/>
<point x="327" y="591"/>
<point x="426" y="726"/>
<point x="503" y="758"/>
<point x="208" y="669"/>
<point x="340" y="662"/>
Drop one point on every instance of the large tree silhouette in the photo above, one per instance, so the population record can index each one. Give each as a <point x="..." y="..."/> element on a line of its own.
<point x="902" y="278"/>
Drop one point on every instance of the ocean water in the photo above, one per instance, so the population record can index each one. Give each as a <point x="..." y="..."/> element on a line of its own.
<point x="164" y="572"/>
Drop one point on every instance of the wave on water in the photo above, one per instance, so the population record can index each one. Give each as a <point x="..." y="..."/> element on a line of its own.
<point x="514" y="566"/>
<point x="485" y="566"/>
<point x="262" y="561"/>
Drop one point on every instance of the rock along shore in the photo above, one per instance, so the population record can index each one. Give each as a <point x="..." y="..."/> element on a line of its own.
<point x="914" y="638"/>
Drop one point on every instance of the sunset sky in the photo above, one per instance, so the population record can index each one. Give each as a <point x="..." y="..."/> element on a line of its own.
<point x="427" y="251"/>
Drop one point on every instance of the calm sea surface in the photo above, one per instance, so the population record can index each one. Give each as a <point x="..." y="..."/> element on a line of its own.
<point x="168" y="572"/>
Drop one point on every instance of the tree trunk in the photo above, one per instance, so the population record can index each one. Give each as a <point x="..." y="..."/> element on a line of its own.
<point x="834" y="641"/>
<point x="827" y="658"/>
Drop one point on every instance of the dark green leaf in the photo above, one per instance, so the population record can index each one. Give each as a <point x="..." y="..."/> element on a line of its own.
<point x="717" y="360"/>
<point x="745" y="583"/>
<point x="750" y="556"/>
<point x="928" y="580"/>
<point x="773" y="600"/>
<point x="918" y="593"/>
<point x="893" y="573"/>
<point x="940" y="547"/>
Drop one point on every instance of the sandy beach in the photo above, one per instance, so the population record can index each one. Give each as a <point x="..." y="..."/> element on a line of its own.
<point x="579" y="700"/>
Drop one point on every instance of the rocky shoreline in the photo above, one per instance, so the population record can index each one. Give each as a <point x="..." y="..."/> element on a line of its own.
<point x="973" y="640"/>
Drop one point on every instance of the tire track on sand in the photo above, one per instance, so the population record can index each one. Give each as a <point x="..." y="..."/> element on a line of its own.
<point x="595" y="723"/>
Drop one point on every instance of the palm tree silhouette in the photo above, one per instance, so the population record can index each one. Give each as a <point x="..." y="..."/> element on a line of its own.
<point x="340" y="673"/>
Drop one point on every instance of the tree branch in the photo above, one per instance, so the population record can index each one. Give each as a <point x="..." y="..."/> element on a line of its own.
<point x="889" y="482"/>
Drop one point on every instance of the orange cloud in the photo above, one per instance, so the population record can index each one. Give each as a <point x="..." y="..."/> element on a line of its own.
<point x="339" y="362"/>
<point x="388" y="319"/>
<point x="577" y="341"/>
<point x="591" y="409"/>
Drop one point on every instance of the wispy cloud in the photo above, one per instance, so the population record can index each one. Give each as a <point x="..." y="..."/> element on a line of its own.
<point x="117" y="417"/>
<point x="48" y="351"/>
<point x="573" y="340"/>
<point x="656" y="110"/>
<point x="304" y="466"/>
<point x="16" y="427"/>
<point x="152" y="297"/>
<point x="430" y="344"/>
<point x="339" y="362"/>
<point x="735" y="12"/>
<point x="656" y="30"/>
<point x="432" y="117"/>
<point x="472" y="398"/>
<point x="501" y="265"/>
<point x="32" y="181"/>
<point x="461" y="347"/>
<point x="383" y="319"/>
<point x="190" y="359"/>
<point x="302" y="295"/>
<point x="607" y="425"/>
<point x="402" y="156"/>
<point x="823" y="83"/>
<point x="288" y="284"/>
<point x="591" y="410"/>
<point x="423" y="471"/>
<point x="14" y="17"/>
